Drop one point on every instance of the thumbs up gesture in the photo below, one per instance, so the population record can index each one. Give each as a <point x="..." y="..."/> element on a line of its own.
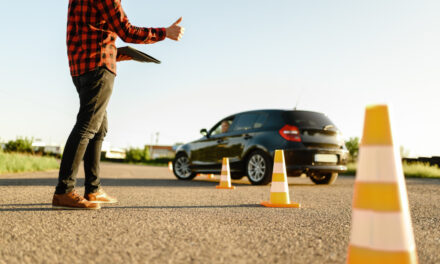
<point x="175" y="32"/>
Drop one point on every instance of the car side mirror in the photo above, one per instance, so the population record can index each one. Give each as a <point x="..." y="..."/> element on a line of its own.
<point x="204" y="132"/>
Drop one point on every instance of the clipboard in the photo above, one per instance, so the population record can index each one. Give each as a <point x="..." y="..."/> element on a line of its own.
<point x="137" y="55"/>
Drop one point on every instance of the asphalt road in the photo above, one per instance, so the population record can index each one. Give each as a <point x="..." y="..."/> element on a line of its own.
<point x="162" y="220"/>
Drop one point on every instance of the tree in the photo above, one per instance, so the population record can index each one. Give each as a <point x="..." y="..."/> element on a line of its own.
<point x="23" y="145"/>
<point x="352" y="145"/>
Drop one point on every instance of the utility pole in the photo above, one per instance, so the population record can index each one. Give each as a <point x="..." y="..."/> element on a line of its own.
<point x="151" y="145"/>
<point x="157" y="138"/>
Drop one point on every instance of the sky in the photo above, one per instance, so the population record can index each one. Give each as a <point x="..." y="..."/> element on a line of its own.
<point x="334" y="57"/>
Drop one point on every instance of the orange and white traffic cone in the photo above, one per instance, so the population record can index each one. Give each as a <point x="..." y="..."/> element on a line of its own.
<point x="208" y="176"/>
<point x="170" y="166"/>
<point x="381" y="230"/>
<point x="225" y="177"/>
<point x="279" y="191"/>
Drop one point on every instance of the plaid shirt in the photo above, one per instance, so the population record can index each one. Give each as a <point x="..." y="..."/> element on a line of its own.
<point x="92" y="28"/>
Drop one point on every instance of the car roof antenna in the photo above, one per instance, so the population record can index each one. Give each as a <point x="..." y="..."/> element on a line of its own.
<point x="298" y="99"/>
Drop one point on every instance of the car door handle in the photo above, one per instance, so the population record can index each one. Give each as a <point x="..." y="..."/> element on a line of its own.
<point x="247" y="136"/>
<point x="220" y="141"/>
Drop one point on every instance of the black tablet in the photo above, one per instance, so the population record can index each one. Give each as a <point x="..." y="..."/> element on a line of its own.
<point x="137" y="55"/>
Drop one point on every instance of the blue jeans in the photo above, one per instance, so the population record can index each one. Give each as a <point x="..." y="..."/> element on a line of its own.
<point x="85" y="140"/>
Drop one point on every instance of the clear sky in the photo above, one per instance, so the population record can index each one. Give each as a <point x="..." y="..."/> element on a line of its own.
<point x="332" y="56"/>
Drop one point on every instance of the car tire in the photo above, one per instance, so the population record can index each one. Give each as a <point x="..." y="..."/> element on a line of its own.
<point x="181" y="167"/>
<point x="324" y="178"/>
<point x="259" y="168"/>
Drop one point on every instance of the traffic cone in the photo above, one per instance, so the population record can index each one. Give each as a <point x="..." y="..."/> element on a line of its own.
<point x="279" y="191"/>
<point x="208" y="176"/>
<point x="170" y="166"/>
<point x="225" y="177"/>
<point x="381" y="230"/>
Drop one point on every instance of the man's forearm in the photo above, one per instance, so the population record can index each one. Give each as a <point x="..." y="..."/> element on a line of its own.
<point x="118" y="22"/>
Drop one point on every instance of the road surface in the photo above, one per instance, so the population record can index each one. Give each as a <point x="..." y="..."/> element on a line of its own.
<point x="162" y="220"/>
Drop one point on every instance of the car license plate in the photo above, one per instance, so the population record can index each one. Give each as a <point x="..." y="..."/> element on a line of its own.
<point x="329" y="158"/>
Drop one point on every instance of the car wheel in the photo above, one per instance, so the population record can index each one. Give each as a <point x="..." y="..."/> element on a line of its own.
<point x="181" y="168"/>
<point x="324" y="178"/>
<point x="259" y="168"/>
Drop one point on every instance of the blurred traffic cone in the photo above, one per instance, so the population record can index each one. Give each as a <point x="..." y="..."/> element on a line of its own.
<point x="170" y="166"/>
<point x="208" y="176"/>
<point x="381" y="230"/>
<point x="225" y="177"/>
<point x="279" y="191"/>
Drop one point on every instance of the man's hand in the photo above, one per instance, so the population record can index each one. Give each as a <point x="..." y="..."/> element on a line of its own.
<point x="175" y="32"/>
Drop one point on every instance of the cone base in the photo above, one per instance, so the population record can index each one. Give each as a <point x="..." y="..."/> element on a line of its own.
<point x="220" y="187"/>
<point x="289" y="205"/>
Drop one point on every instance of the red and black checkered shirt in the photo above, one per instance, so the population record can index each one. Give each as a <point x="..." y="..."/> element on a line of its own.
<point x="92" y="28"/>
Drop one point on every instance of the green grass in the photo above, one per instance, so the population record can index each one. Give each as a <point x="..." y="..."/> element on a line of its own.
<point x="416" y="170"/>
<point x="15" y="162"/>
<point x="421" y="170"/>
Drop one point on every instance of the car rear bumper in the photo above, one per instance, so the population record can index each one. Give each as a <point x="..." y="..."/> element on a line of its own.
<point x="300" y="161"/>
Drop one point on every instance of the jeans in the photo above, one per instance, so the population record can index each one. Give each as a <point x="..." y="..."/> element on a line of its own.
<point x="85" y="140"/>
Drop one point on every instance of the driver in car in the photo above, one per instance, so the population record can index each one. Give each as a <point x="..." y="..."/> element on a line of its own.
<point x="225" y="126"/>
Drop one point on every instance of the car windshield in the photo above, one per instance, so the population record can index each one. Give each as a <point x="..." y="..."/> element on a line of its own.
<point x="304" y="119"/>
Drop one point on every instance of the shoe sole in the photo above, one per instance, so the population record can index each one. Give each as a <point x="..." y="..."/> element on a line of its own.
<point x="73" y="208"/>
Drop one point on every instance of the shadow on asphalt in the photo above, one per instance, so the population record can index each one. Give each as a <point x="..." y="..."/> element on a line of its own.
<point x="110" y="182"/>
<point x="183" y="206"/>
<point x="37" y="207"/>
<point x="126" y="182"/>
<point x="27" y="207"/>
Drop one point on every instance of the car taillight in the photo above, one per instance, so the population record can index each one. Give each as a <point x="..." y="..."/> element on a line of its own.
<point x="290" y="133"/>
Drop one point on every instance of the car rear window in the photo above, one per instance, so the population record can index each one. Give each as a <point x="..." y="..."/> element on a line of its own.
<point x="304" y="119"/>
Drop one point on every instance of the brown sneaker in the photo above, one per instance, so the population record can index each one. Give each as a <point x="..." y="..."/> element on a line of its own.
<point x="72" y="200"/>
<point x="100" y="197"/>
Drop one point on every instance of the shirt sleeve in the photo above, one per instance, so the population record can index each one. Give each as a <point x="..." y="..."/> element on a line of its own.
<point x="114" y="15"/>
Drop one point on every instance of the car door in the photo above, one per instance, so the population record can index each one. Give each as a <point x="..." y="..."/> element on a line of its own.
<point x="241" y="134"/>
<point x="208" y="153"/>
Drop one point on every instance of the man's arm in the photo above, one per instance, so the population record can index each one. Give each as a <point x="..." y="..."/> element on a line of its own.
<point x="113" y="13"/>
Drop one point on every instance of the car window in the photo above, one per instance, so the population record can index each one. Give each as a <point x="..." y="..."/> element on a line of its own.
<point x="245" y="122"/>
<point x="304" y="119"/>
<point x="222" y="127"/>
<point x="261" y="120"/>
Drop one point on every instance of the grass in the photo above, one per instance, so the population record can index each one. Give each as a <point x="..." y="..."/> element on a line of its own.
<point x="415" y="170"/>
<point x="421" y="170"/>
<point x="15" y="162"/>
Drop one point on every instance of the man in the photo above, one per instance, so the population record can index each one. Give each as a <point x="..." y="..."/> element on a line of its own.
<point x="92" y="29"/>
<point x="225" y="126"/>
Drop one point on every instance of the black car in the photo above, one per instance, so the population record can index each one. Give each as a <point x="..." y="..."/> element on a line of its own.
<point x="311" y="142"/>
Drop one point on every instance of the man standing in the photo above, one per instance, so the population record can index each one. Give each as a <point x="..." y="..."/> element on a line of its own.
<point x="92" y="29"/>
